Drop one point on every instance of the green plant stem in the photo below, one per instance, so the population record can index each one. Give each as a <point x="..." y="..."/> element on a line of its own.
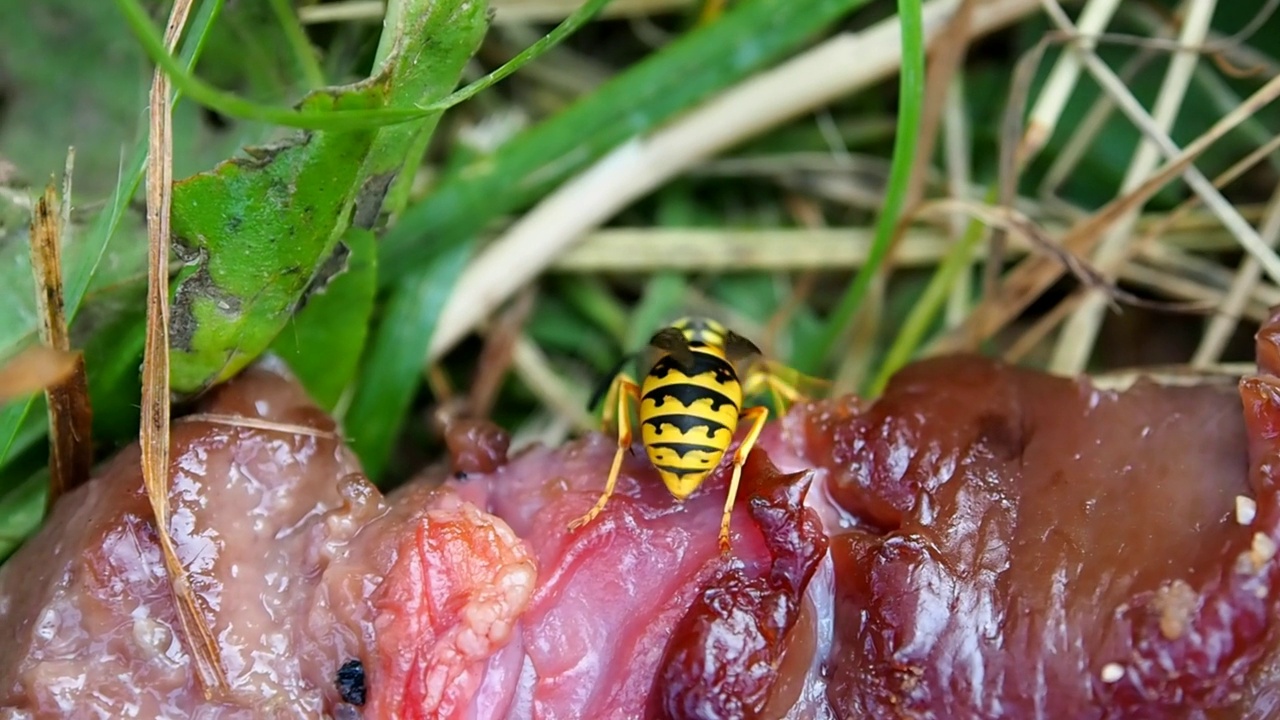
<point x="304" y="54"/>
<point x="232" y="105"/>
<point x="926" y="310"/>
<point x="812" y="359"/>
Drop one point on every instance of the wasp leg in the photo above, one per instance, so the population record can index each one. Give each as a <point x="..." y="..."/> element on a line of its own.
<point x="756" y="416"/>
<point x="612" y="408"/>
<point x="763" y="378"/>
<point x="624" y="390"/>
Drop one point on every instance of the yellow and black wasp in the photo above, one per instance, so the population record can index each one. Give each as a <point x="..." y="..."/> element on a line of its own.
<point x="690" y="407"/>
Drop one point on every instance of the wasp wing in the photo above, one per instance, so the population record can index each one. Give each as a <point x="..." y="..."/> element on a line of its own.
<point x="673" y="342"/>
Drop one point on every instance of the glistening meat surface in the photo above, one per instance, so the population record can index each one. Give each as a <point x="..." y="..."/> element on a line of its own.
<point x="300" y="565"/>
<point x="980" y="542"/>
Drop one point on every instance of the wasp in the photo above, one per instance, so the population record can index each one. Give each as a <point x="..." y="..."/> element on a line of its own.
<point x="690" y="407"/>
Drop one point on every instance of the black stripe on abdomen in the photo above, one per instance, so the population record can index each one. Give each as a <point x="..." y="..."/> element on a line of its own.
<point x="703" y="362"/>
<point x="687" y="394"/>
<point x="684" y="448"/>
<point x="685" y="424"/>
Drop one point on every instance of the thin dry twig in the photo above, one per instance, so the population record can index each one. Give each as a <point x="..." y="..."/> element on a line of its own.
<point x="154" y="433"/>
<point x="565" y="400"/>
<point x="1175" y="282"/>
<point x="240" y="421"/>
<point x="633" y="250"/>
<point x="1223" y="325"/>
<point x="1076" y="342"/>
<point x="1062" y="81"/>
<point x="497" y="354"/>
<point x="1225" y="373"/>
<point x="957" y="141"/>
<point x="1034" y="275"/>
<point x="1130" y="106"/>
<point x="946" y="58"/>
<point x="1084" y="271"/>
<point x="70" y="414"/>
<point x="1086" y="132"/>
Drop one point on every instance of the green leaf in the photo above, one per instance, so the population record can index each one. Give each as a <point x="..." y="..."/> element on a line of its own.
<point x="323" y="342"/>
<point x="21" y="510"/>
<point x="256" y="232"/>
<point x="382" y="396"/>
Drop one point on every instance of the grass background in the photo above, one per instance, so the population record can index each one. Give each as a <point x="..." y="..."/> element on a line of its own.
<point x="776" y="210"/>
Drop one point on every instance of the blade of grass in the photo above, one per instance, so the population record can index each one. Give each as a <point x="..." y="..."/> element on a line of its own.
<point x="154" y="433"/>
<point x="232" y="105"/>
<point x="911" y="84"/>
<point x="589" y="296"/>
<point x="303" y="53"/>
<point x="633" y="103"/>
<point x="911" y="336"/>
<point x="382" y="395"/>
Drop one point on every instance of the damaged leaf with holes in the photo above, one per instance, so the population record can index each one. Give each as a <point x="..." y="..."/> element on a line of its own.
<point x="258" y="234"/>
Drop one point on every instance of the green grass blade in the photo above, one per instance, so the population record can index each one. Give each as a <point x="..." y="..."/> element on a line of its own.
<point x="382" y="395"/>
<point x="232" y="105"/>
<point x="678" y="77"/>
<point x="323" y="342"/>
<point x="812" y="359"/>
<point x="590" y="297"/>
<point x="304" y="55"/>
<point x="925" y="311"/>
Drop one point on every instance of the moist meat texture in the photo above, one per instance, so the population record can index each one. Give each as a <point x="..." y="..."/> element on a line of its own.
<point x="321" y="594"/>
<point x="980" y="542"/>
<point x="1035" y="547"/>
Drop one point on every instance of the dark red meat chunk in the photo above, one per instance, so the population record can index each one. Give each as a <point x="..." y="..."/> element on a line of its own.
<point x="1035" y="547"/>
<point x="725" y="655"/>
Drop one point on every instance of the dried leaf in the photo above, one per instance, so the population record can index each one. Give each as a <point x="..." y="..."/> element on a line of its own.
<point x="34" y="369"/>
<point x="70" y="417"/>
